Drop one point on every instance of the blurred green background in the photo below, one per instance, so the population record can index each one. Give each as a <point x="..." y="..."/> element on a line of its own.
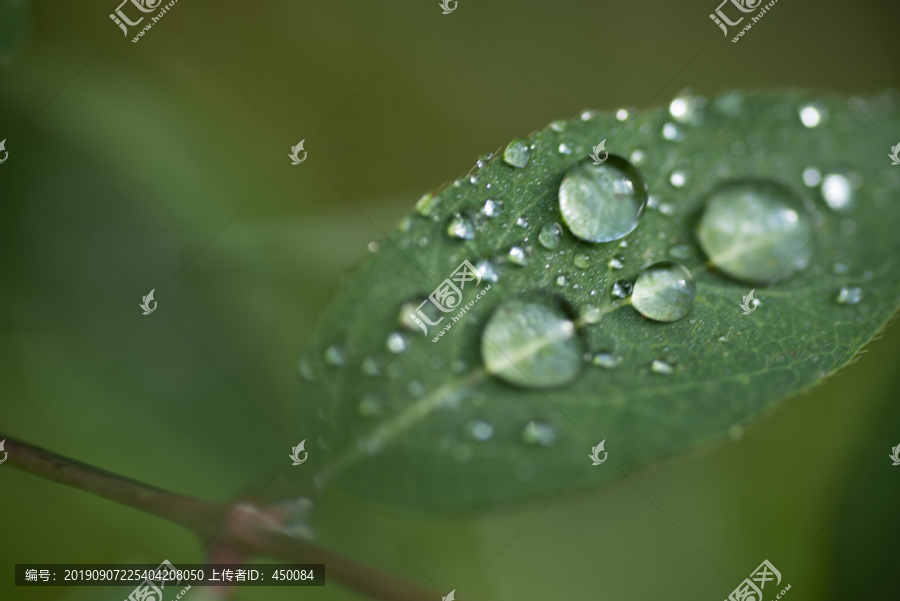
<point x="163" y="165"/>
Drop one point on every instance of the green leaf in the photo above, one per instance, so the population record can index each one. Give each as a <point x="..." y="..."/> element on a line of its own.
<point x="431" y="429"/>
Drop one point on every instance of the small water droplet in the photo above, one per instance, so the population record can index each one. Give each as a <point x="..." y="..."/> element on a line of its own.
<point x="483" y="160"/>
<point x="607" y="360"/>
<point x="616" y="263"/>
<point x="678" y="178"/>
<point x="473" y="179"/>
<point x="335" y="355"/>
<point x="587" y="115"/>
<point x="621" y="289"/>
<point x="428" y="204"/>
<point x="549" y="236"/>
<point x="370" y="366"/>
<point x="671" y="132"/>
<point x="517" y="255"/>
<point x="622" y="115"/>
<point x="565" y="149"/>
<point x="461" y="227"/>
<point x="373" y="246"/>
<point x="850" y="295"/>
<point x="521" y="222"/>
<point x="840" y="268"/>
<point x="306" y="370"/>
<point x="415" y="389"/>
<point x="530" y="341"/>
<point x="487" y="271"/>
<point x="582" y="261"/>
<point x="637" y="157"/>
<point x="838" y="190"/>
<point x="812" y="114"/>
<point x="562" y="281"/>
<point x="539" y="433"/>
<point x="687" y="108"/>
<point x="730" y="103"/>
<point x="492" y="208"/>
<point x="558" y="126"/>
<point x="664" y="292"/>
<point x="661" y="367"/>
<point x="396" y="342"/>
<point x="756" y="230"/>
<point x="812" y="177"/>
<point x="481" y="430"/>
<point x="517" y="153"/>
<point x="601" y="203"/>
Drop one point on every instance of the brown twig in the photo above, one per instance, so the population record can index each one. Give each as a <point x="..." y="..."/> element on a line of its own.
<point x="242" y="527"/>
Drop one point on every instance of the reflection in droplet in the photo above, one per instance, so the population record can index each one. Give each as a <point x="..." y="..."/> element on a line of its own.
<point x="550" y="235"/>
<point x="664" y="292"/>
<point x="461" y="227"/>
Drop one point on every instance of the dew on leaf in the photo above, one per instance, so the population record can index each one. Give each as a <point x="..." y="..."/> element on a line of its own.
<point x="539" y="433"/>
<point x="492" y="208"/>
<point x="550" y="235"/>
<point x="517" y="153"/>
<point x="396" y="342"/>
<point x="461" y="227"/>
<point x="756" y="230"/>
<point x="606" y="360"/>
<point x="621" y="289"/>
<point x="664" y="292"/>
<point x="481" y="430"/>
<point x="659" y="366"/>
<point x="850" y="295"/>
<point x="517" y="256"/>
<point x="838" y="190"/>
<point x="335" y="355"/>
<point x="601" y="203"/>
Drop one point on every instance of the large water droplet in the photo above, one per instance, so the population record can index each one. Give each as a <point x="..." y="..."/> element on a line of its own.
<point x="539" y="433"/>
<point x="549" y="236"/>
<point x="601" y="203"/>
<point x="530" y="341"/>
<point x="756" y="230"/>
<point x="664" y="292"/>
<point x="517" y="153"/>
<point x="850" y="295"/>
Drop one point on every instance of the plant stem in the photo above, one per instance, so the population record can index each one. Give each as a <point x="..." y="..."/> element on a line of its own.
<point x="241" y="527"/>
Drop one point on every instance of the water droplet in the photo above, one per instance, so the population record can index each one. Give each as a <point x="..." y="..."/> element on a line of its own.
<point x="549" y="236"/>
<point x="558" y="126"/>
<point x="622" y="115"/>
<point x="473" y="179"/>
<point x="428" y="204"/>
<point x="661" y="367"/>
<point x="812" y="177"/>
<point x="539" y="433"/>
<point x="517" y="256"/>
<point x="582" y="261"/>
<point x="678" y="178"/>
<point x="481" y="430"/>
<point x="811" y="115"/>
<point x="492" y="208"/>
<point x="483" y="160"/>
<point x="370" y="366"/>
<point x="756" y="230"/>
<point x="521" y="222"/>
<point x="587" y="115"/>
<point x="306" y="370"/>
<point x="565" y="149"/>
<point x="517" y="153"/>
<point x="530" y="341"/>
<point x="607" y="360"/>
<point x="671" y="132"/>
<point x="601" y="203"/>
<point x="730" y="103"/>
<point x="335" y="355"/>
<point x="370" y="406"/>
<point x="415" y="389"/>
<point x="487" y="272"/>
<point x="621" y="289"/>
<point x="373" y="246"/>
<point x="396" y="342"/>
<point x="664" y="292"/>
<point x="637" y="157"/>
<point x="461" y="227"/>
<point x="840" y="268"/>
<point x="850" y="295"/>
<point x="687" y="108"/>
<point x="682" y="252"/>
<point x="616" y="263"/>
<point x="562" y="281"/>
<point x="838" y="190"/>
